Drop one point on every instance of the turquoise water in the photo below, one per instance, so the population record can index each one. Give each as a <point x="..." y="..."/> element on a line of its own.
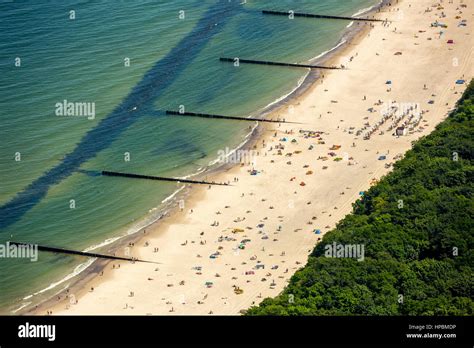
<point x="173" y="62"/>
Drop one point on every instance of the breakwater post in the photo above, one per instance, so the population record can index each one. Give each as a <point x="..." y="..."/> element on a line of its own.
<point x="160" y="178"/>
<point x="264" y="62"/>
<point x="310" y="15"/>
<point x="250" y="119"/>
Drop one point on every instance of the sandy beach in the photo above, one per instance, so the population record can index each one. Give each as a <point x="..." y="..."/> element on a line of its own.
<point x="229" y="247"/>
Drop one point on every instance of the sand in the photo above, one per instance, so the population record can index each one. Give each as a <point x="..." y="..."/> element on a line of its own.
<point x="273" y="210"/>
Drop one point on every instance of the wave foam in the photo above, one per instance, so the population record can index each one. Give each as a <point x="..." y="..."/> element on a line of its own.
<point x="365" y="10"/>
<point x="78" y="270"/>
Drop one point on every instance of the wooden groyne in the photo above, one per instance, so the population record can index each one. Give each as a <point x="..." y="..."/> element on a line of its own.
<point x="160" y="178"/>
<point x="75" y="252"/>
<point x="264" y="62"/>
<point x="194" y="114"/>
<point x="310" y="15"/>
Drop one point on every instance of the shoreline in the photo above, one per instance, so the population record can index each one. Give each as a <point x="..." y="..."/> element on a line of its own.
<point x="352" y="33"/>
<point x="161" y="226"/>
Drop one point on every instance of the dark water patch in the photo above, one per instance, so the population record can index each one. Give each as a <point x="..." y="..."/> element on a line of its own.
<point x="180" y="145"/>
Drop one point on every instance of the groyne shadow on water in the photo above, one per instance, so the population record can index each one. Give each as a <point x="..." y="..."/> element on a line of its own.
<point x="134" y="106"/>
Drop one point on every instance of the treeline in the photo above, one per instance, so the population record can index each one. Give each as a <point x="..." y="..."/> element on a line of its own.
<point x="416" y="226"/>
